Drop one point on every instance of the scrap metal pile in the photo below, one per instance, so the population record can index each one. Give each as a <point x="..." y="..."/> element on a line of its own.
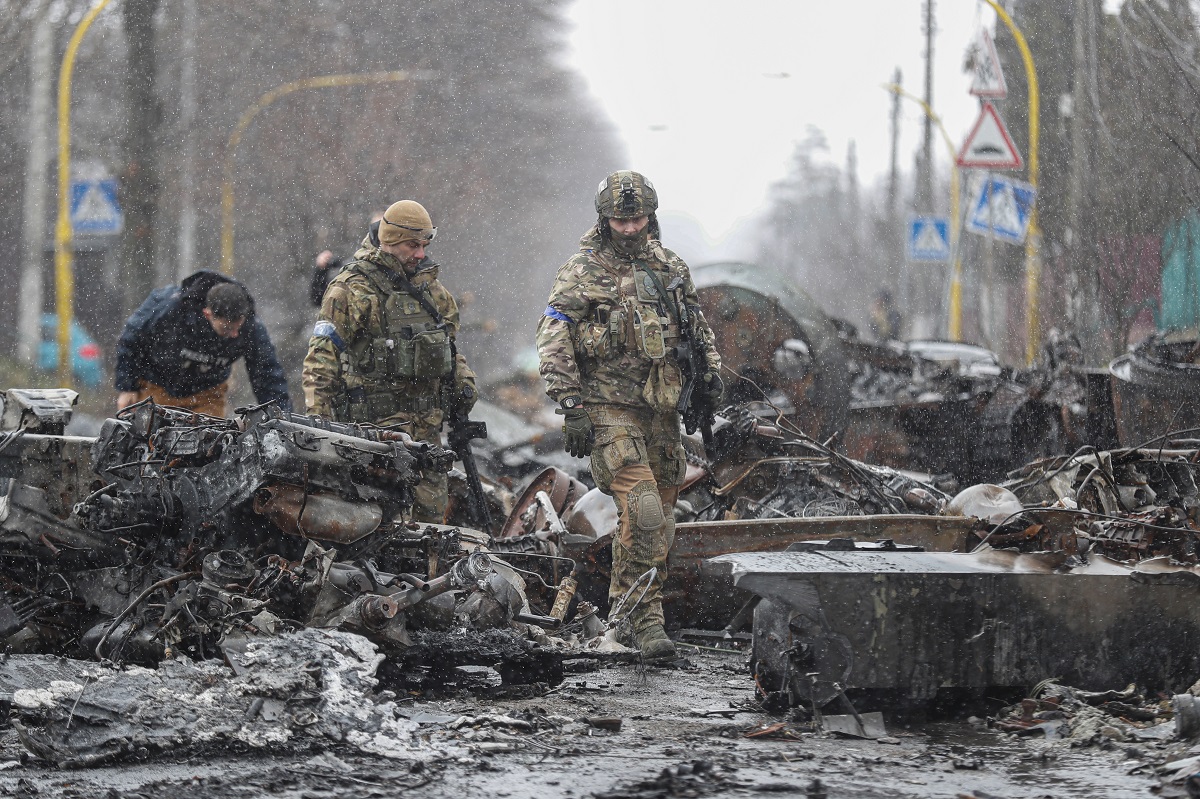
<point x="933" y="406"/>
<point x="1052" y="580"/>
<point x="1128" y="504"/>
<point x="766" y="486"/>
<point x="173" y="533"/>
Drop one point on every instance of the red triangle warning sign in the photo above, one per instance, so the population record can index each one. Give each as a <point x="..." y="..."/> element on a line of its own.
<point x="988" y="146"/>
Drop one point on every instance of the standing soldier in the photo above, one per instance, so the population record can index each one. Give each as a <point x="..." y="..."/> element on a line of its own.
<point x="383" y="349"/>
<point x="608" y="345"/>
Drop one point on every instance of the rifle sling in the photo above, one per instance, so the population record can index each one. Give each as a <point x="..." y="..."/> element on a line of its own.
<point x="662" y="292"/>
<point x="400" y="281"/>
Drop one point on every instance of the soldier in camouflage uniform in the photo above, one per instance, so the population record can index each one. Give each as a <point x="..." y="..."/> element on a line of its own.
<point x="383" y="347"/>
<point x="607" y="348"/>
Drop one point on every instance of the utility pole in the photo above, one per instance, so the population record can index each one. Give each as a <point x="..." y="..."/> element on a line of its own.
<point x="923" y="296"/>
<point x="893" y="186"/>
<point x="1081" y="300"/>
<point x="894" y="238"/>
<point x="187" y="115"/>
<point x="925" y="186"/>
<point x="853" y="207"/>
<point x="41" y="77"/>
<point x="140" y="183"/>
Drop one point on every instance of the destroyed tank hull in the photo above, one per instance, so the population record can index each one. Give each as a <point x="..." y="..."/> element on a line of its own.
<point x="1155" y="390"/>
<point x="905" y="626"/>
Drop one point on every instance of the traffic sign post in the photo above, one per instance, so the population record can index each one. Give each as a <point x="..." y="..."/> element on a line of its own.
<point x="988" y="145"/>
<point x="1001" y="208"/>
<point x="929" y="239"/>
<point x="989" y="75"/>
<point x="94" y="207"/>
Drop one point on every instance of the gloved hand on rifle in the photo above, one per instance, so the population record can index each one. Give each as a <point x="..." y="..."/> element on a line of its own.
<point x="714" y="389"/>
<point x="458" y="399"/>
<point x="577" y="427"/>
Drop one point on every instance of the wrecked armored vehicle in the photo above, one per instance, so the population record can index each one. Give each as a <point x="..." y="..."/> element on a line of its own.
<point x="894" y="627"/>
<point x="1156" y="389"/>
<point x="1054" y="580"/>
<point x="933" y="406"/>
<point x="176" y="533"/>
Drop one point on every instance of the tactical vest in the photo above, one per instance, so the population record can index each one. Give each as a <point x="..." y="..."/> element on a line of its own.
<point x="400" y="366"/>
<point x="641" y="322"/>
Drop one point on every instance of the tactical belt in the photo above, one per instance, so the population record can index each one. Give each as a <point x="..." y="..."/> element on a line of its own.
<point x="382" y="404"/>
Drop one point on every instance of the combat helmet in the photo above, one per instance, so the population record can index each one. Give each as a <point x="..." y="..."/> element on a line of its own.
<point x="624" y="195"/>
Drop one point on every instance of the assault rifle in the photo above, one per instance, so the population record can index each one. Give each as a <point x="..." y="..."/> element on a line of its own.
<point x="462" y="431"/>
<point x="692" y="355"/>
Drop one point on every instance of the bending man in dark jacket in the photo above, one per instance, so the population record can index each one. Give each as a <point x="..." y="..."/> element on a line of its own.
<point x="180" y="345"/>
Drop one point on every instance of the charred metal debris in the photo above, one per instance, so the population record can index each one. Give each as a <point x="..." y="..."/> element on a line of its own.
<point x="172" y="533"/>
<point x="934" y="406"/>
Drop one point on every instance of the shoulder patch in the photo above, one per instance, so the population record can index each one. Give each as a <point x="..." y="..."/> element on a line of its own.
<point x="325" y="329"/>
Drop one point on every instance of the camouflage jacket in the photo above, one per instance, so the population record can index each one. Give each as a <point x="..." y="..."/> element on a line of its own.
<point x="606" y="335"/>
<point x="352" y="315"/>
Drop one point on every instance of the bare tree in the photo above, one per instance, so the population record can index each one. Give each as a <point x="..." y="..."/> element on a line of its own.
<point x="140" y="184"/>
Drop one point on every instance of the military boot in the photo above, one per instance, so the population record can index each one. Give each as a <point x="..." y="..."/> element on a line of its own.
<point x="655" y="644"/>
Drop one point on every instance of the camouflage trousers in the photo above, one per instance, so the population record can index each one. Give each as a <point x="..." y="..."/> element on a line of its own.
<point x="638" y="459"/>
<point x="432" y="492"/>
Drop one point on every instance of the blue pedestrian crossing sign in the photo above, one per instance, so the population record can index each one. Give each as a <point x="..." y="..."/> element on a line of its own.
<point x="929" y="239"/>
<point x="94" y="207"/>
<point x="1000" y="208"/>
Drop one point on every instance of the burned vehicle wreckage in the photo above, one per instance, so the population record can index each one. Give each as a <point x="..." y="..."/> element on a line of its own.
<point x="874" y="525"/>
<point x="172" y="533"/>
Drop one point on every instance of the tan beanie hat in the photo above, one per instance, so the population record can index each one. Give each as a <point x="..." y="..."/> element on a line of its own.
<point x="406" y="220"/>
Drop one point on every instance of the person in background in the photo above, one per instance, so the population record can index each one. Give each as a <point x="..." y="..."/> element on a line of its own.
<point x="885" y="319"/>
<point x="327" y="266"/>
<point x="180" y="345"/>
<point x="325" y="269"/>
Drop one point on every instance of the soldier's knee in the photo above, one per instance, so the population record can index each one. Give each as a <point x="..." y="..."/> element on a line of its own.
<point x="645" y="506"/>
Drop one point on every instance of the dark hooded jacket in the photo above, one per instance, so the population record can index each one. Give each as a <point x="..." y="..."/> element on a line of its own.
<point x="169" y="342"/>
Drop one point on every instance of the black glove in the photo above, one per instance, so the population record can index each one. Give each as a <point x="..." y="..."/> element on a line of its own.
<point x="714" y="389"/>
<point x="577" y="428"/>
<point x="466" y="398"/>
<point x="457" y="399"/>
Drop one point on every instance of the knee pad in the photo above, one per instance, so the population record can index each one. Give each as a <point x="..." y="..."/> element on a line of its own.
<point x="645" y="506"/>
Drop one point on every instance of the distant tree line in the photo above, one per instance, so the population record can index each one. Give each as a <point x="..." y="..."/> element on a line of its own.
<point x="496" y="138"/>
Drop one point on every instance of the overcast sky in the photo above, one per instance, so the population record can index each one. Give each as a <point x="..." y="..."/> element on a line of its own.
<point x="710" y="96"/>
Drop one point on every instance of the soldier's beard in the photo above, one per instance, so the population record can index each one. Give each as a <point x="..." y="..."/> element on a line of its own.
<point x="631" y="244"/>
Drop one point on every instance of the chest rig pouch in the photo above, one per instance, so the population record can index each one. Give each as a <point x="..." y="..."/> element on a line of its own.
<point x="415" y="346"/>
<point x="634" y="324"/>
<point x="602" y="336"/>
<point x="649" y="327"/>
<point x="411" y="345"/>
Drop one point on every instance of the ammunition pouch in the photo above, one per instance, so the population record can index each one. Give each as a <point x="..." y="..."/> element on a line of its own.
<point x="417" y="352"/>
<point x="363" y="407"/>
<point x="348" y="406"/>
<point x="649" y="331"/>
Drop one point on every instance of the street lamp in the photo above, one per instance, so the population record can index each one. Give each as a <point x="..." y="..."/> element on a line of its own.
<point x="1033" y="262"/>
<point x="319" y="82"/>
<point x="64" y="255"/>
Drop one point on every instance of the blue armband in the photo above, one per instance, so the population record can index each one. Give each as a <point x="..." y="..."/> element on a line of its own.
<point x="325" y="329"/>
<point x="554" y="313"/>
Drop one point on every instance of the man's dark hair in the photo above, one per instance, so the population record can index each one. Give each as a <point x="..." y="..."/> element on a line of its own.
<point x="227" y="301"/>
